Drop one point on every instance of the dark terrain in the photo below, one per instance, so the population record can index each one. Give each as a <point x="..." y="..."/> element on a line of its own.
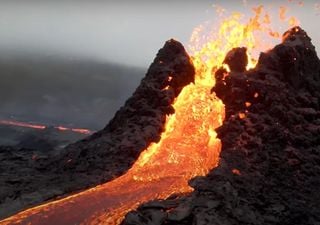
<point x="44" y="140"/>
<point x="269" y="171"/>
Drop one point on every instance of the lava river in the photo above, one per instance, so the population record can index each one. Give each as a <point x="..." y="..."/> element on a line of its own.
<point x="187" y="148"/>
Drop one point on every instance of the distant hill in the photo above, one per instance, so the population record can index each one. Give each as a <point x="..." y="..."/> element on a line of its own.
<point x="80" y="93"/>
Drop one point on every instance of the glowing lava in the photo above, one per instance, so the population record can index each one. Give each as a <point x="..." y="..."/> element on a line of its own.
<point x="187" y="148"/>
<point x="42" y="127"/>
<point x="22" y="124"/>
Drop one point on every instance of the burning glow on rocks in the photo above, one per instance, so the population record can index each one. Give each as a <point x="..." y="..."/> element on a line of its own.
<point x="189" y="146"/>
<point x="248" y="104"/>
<point x="242" y="115"/>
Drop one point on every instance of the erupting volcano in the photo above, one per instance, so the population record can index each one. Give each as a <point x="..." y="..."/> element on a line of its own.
<point x="188" y="146"/>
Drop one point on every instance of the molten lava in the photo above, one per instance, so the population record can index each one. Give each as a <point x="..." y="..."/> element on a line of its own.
<point x="22" y="124"/>
<point x="42" y="127"/>
<point x="188" y="147"/>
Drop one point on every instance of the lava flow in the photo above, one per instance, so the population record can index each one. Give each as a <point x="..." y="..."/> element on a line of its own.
<point x="22" y="124"/>
<point x="188" y="147"/>
<point x="42" y="127"/>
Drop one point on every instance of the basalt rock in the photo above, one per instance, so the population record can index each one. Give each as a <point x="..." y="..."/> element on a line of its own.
<point x="141" y="120"/>
<point x="269" y="169"/>
<point x="237" y="59"/>
<point x="27" y="180"/>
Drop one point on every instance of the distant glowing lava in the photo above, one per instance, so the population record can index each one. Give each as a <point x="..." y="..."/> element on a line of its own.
<point x="42" y="127"/>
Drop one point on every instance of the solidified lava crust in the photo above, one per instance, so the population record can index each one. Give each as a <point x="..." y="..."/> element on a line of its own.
<point x="269" y="171"/>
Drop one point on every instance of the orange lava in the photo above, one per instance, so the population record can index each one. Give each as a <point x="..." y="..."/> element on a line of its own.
<point x="42" y="127"/>
<point x="22" y="124"/>
<point x="76" y="130"/>
<point x="188" y="147"/>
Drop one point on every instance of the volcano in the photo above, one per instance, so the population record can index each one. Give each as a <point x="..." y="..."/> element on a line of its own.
<point x="269" y="170"/>
<point x="225" y="141"/>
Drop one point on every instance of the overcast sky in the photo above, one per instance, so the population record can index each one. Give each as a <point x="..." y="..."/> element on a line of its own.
<point x="129" y="32"/>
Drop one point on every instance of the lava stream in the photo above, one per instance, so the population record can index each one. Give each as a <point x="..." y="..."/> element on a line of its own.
<point x="22" y="124"/>
<point x="42" y="127"/>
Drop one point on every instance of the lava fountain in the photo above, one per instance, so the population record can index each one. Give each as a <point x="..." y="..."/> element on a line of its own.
<point x="188" y="147"/>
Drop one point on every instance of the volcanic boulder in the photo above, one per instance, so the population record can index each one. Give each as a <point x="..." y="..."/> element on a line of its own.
<point x="237" y="59"/>
<point x="107" y="153"/>
<point x="269" y="168"/>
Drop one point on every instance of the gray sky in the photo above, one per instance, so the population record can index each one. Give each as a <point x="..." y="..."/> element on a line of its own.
<point x="129" y="32"/>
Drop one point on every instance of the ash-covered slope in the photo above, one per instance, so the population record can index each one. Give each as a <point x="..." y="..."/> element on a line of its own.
<point x="269" y="171"/>
<point x="27" y="180"/>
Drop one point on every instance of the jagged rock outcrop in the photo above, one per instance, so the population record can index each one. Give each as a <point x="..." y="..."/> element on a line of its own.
<point x="28" y="180"/>
<point x="269" y="170"/>
<point x="141" y="120"/>
<point x="237" y="59"/>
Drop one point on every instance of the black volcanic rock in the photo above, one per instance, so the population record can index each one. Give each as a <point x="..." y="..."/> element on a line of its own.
<point x="107" y="153"/>
<point x="140" y="121"/>
<point x="269" y="169"/>
<point x="237" y="59"/>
